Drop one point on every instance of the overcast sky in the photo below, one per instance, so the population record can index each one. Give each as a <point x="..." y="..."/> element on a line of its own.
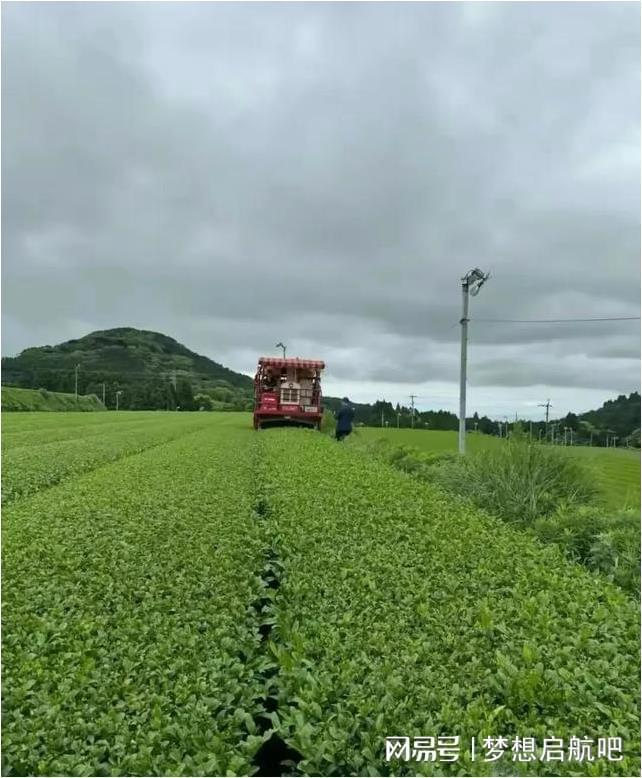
<point x="234" y="175"/>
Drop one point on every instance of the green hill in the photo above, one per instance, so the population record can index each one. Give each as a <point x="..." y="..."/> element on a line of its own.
<point x="16" y="399"/>
<point x="621" y="416"/>
<point x="151" y="370"/>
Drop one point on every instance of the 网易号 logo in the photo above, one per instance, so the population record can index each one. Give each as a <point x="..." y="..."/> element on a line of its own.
<point x="448" y="748"/>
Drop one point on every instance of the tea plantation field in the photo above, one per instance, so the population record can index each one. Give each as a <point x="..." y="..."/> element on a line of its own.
<point x="184" y="596"/>
<point x="617" y="471"/>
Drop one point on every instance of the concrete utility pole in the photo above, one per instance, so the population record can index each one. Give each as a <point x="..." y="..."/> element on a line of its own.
<point x="412" y="410"/>
<point x="382" y="417"/>
<point x="76" y="381"/>
<point x="103" y="393"/>
<point x="118" y="393"/>
<point x="541" y="432"/>
<point x="281" y="345"/>
<point x="499" y="424"/>
<point x="553" y="428"/>
<point x="471" y="283"/>
<point x="398" y="415"/>
<point x="565" y="432"/>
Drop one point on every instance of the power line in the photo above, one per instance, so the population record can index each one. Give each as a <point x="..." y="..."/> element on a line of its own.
<point x="558" y="321"/>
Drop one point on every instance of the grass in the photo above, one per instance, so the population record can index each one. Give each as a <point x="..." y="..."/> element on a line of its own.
<point x="617" y="471"/>
<point x="16" y="399"/>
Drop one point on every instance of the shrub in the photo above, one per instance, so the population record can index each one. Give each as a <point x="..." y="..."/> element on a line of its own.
<point x="603" y="541"/>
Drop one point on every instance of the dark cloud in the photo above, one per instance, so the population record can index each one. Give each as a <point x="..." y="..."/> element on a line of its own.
<point x="237" y="174"/>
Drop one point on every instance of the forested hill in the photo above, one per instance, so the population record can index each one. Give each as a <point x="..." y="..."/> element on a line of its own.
<point x="150" y="369"/>
<point x="621" y="415"/>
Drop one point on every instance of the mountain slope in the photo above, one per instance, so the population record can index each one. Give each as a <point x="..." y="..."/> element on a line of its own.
<point x="149" y="370"/>
<point x="117" y="353"/>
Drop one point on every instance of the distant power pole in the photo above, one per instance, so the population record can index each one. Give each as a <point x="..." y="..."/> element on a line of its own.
<point x="412" y="410"/>
<point x="382" y="417"/>
<point x="281" y="345"/>
<point x="103" y="393"/>
<point x="76" y="381"/>
<point x="398" y="415"/>
<point x="118" y="393"/>
<point x="546" y="405"/>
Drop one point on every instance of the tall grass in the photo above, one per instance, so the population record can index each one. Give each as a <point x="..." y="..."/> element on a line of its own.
<point x="519" y="482"/>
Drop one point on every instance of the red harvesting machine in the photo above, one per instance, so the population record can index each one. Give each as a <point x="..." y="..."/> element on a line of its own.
<point x="288" y="392"/>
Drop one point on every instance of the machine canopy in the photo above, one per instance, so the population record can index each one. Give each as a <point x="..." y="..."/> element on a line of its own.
<point x="306" y="364"/>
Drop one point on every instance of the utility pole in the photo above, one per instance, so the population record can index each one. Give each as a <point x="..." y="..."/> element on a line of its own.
<point x="499" y="424"/>
<point x="553" y="428"/>
<point x="103" y="392"/>
<point x="565" y="432"/>
<point x="412" y="410"/>
<point x="471" y="283"/>
<point x="281" y="345"/>
<point x="530" y="430"/>
<point x="570" y="429"/>
<point x="541" y="432"/>
<point x="118" y="393"/>
<point x="382" y="417"/>
<point x="76" y="381"/>
<point x="546" y="405"/>
<point x="398" y="415"/>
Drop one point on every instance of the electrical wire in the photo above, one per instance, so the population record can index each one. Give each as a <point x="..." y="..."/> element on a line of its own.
<point x="557" y="321"/>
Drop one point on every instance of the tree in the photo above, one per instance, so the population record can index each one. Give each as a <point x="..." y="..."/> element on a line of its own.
<point x="203" y="402"/>
<point x="185" y="395"/>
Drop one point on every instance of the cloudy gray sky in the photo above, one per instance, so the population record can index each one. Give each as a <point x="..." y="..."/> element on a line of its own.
<point x="237" y="174"/>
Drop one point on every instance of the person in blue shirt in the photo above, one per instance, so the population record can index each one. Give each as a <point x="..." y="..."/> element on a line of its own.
<point x="344" y="417"/>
